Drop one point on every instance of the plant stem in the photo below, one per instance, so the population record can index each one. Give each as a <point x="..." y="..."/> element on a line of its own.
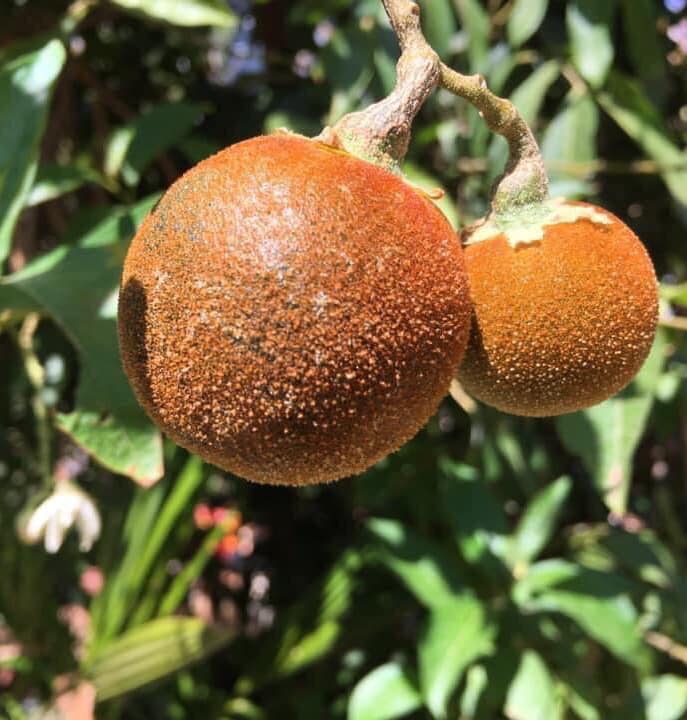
<point x="524" y="181"/>
<point x="36" y="375"/>
<point x="381" y="132"/>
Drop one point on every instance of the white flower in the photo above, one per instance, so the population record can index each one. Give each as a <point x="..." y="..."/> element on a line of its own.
<point x="67" y="506"/>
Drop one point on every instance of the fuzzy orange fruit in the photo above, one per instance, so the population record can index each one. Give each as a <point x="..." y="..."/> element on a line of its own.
<point x="564" y="315"/>
<point x="292" y="313"/>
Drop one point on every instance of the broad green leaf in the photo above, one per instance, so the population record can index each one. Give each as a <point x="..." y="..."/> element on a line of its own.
<point x="532" y="694"/>
<point x="309" y="629"/>
<point x="643" y="44"/>
<point x="134" y="146"/>
<point x="52" y="181"/>
<point x="537" y="524"/>
<point x="151" y="652"/>
<point x="77" y="287"/>
<point x="665" y="697"/>
<point x="475" y="22"/>
<point x="476" y="519"/>
<point x="524" y="20"/>
<point x="26" y="84"/>
<point x="418" y="177"/>
<point x="589" y="29"/>
<point x="598" y="602"/>
<point x="422" y="566"/>
<point x="476" y="682"/>
<point x="439" y="24"/>
<point x="629" y="107"/>
<point x="457" y="634"/>
<point x="529" y="96"/>
<point x="383" y="694"/>
<point x="569" y="143"/>
<point x="606" y="436"/>
<point x="187" y="13"/>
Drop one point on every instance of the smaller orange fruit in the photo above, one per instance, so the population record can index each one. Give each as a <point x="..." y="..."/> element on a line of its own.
<point x="565" y="311"/>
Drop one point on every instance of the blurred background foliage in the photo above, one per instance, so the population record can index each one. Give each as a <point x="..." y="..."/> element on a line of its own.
<point x="494" y="567"/>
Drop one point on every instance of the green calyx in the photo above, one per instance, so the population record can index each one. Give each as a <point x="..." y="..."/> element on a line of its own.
<point x="526" y="224"/>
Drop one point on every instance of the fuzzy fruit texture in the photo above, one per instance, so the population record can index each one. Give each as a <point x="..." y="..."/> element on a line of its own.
<point x="561" y="323"/>
<point x="291" y="313"/>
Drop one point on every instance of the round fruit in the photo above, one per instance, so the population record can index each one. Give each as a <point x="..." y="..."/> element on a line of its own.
<point x="292" y="313"/>
<point x="565" y="311"/>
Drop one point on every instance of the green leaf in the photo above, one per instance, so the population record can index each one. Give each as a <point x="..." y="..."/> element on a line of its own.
<point x="77" y="287"/>
<point x="568" y="143"/>
<point x="420" y="564"/>
<point x="457" y="634"/>
<point x="127" y="585"/>
<point x="598" y="602"/>
<point x="383" y="694"/>
<point x="476" y="519"/>
<point x="626" y="103"/>
<point x="665" y="697"/>
<point x="643" y="45"/>
<point x="537" y="524"/>
<point x="151" y="652"/>
<point x="52" y="181"/>
<point x="589" y="28"/>
<point x="426" y="182"/>
<point x="26" y="84"/>
<point x="606" y="436"/>
<point x="532" y="694"/>
<point x="439" y="24"/>
<point x="132" y="147"/>
<point x="187" y="13"/>
<point x="309" y="629"/>
<point x="476" y="23"/>
<point x="524" y="20"/>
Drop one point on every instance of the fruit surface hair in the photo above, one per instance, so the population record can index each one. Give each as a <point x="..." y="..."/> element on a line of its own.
<point x="561" y="322"/>
<point x="292" y="313"/>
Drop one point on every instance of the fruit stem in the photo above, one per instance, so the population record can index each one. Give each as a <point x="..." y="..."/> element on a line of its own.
<point x="381" y="132"/>
<point x="524" y="180"/>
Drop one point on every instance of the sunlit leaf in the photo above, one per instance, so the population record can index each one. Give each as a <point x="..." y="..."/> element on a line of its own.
<point x="52" y="181"/>
<point x="532" y="694"/>
<point x="134" y="146"/>
<point x="383" y="694"/>
<point x="26" y="84"/>
<point x="605" y="436"/>
<point x="183" y="12"/>
<point x="665" y="697"/>
<point x="475" y="23"/>
<point x="476" y="519"/>
<point x="569" y="145"/>
<point x="525" y="19"/>
<point x="537" y="523"/>
<point x="77" y="287"/>
<point x="423" y="567"/>
<point x="151" y="652"/>
<point x="598" y="602"/>
<point x="457" y="634"/>
<point x="439" y="24"/>
<point x="589" y="29"/>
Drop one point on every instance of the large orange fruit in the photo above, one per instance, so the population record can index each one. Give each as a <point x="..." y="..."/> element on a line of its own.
<point x="564" y="313"/>
<point x="292" y="313"/>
